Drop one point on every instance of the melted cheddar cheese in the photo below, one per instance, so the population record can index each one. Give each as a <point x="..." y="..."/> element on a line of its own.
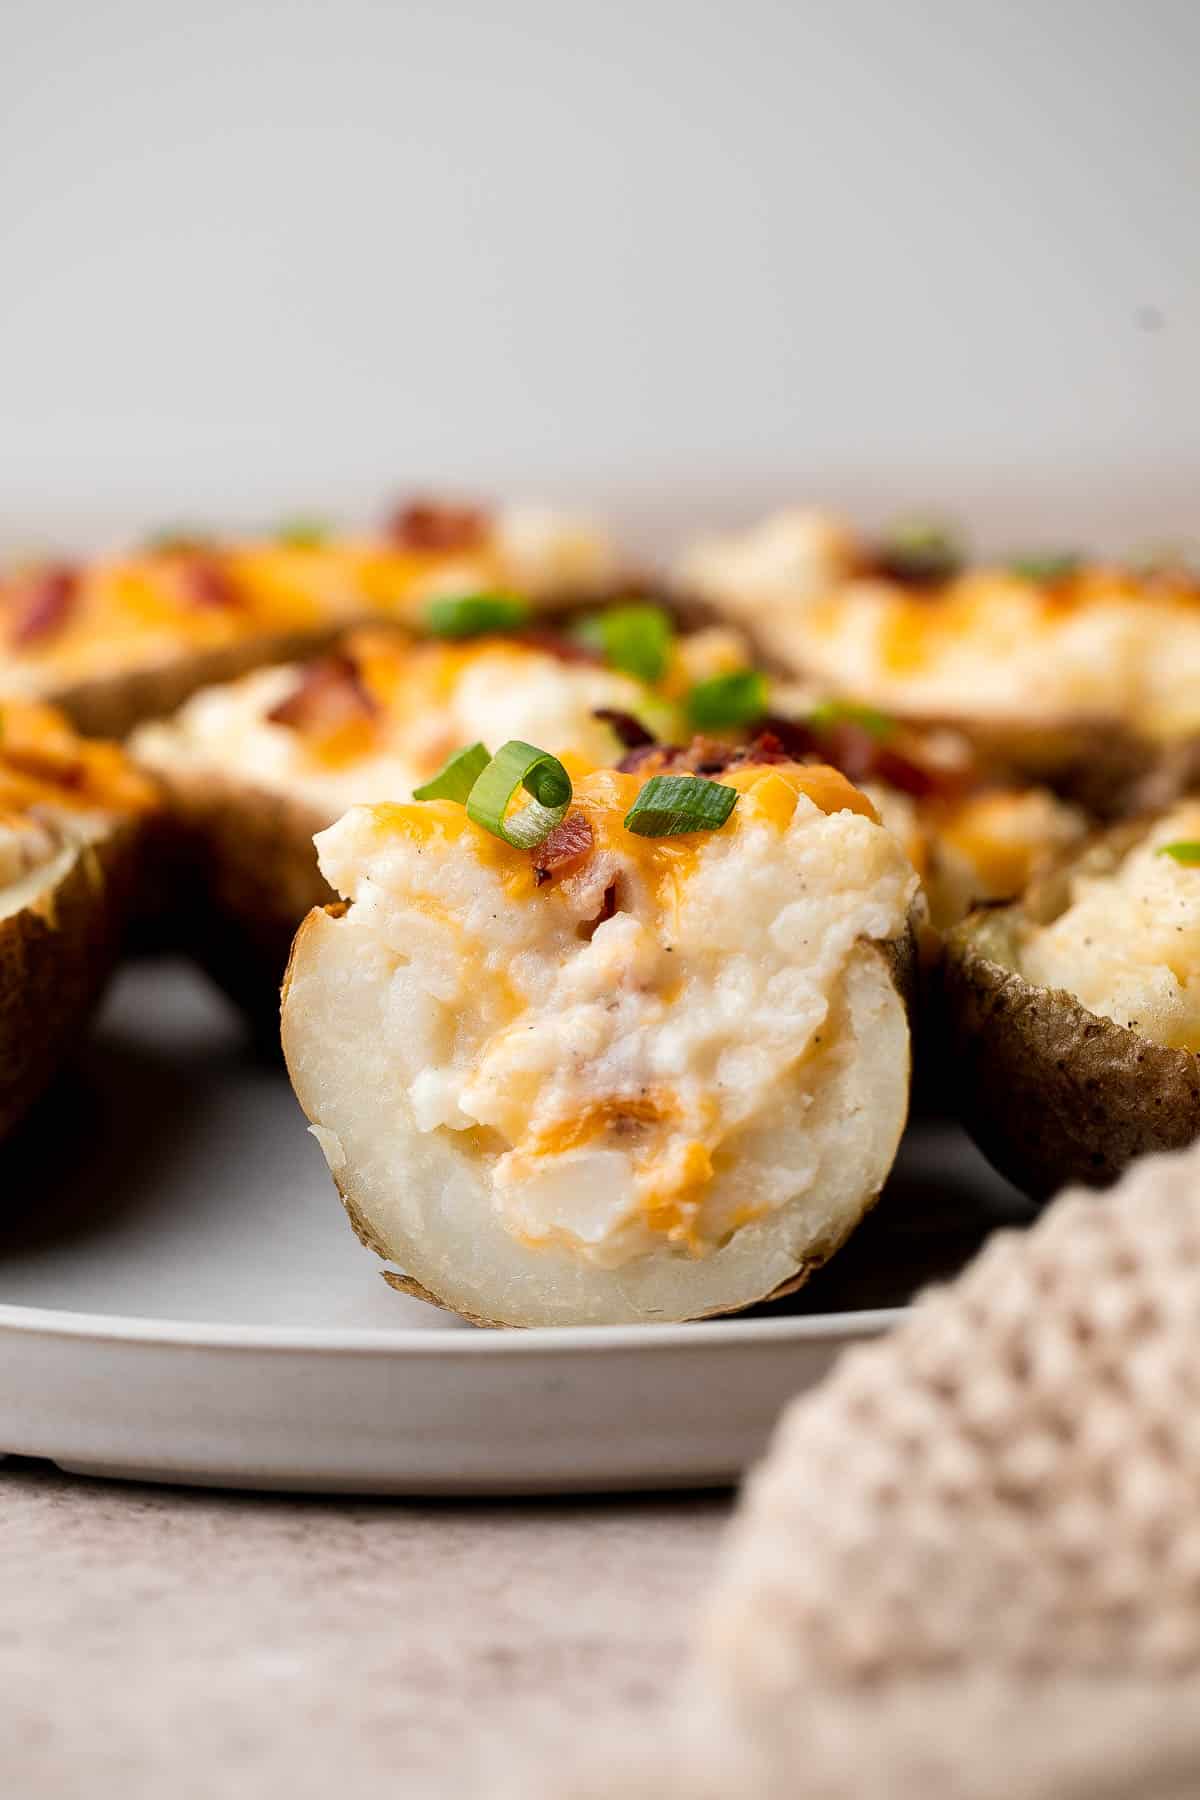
<point x="61" y="625"/>
<point x="625" y="1033"/>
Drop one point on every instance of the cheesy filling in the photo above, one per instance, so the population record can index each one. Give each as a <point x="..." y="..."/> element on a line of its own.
<point x="772" y="568"/>
<point x="1102" y="643"/>
<point x="1128" y="944"/>
<point x="638" y="1052"/>
<point x="58" y="793"/>
<point x="142" y="610"/>
<point x="1006" y="651"/>
<point x="425" y="701"/>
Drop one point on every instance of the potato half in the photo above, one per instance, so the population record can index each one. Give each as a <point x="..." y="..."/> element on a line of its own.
<point x="1078" y="674"/>
<point x="73" y="821"/>
<point x="254" y="768"/>
<point x="124" y="638"/>
<point x="656" y="1079"/>
<point x="1055" y="1090"/>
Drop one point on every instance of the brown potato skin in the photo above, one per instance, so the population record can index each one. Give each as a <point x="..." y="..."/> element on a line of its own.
<point x="245" y="877"/>
<point x="111" y="705"/>
<point x="1107" y="769"/>
<point x="1052" y="1093"/>
<point x="55" y="960"/>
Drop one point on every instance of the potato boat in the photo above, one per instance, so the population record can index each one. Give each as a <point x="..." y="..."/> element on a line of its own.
<point x="72" y="821"/>
<point x="253" y="769"/>
<point x="1071" y="1020"/>
<point x="971" y="835"/>
<point x="653" y="1067"/>
<point x="129" y="637"/>
<point x="1083" y="675"/>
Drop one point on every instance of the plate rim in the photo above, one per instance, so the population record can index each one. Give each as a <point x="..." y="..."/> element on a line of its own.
<point x="198" y="1334"/>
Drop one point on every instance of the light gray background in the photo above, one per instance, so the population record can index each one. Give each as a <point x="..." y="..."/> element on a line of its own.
<point x="673" y="256"/>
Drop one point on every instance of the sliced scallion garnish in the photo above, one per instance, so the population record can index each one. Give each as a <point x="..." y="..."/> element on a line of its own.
<point x="303" y="534"/>
<point x="738" y="698"/>
<point x="920" y="550"/>
<point x="543" y="777"/>
<point x="474" y="615"/>
<point x="179" y="540"/>
<point x="670" y="805"/>
<point x="455" y="779"/>
<point x="1048" y="565"/>
<point x="828" y="713"/>
<point x="1187" y="850"/>
<point x="636" y="639"/>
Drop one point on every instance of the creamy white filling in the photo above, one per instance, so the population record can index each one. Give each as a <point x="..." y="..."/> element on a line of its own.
<point x="1128" y="944"/>
<point x="1118" y="658"/>
<point x="501" y="693"/>
<point x="545" y="553"/>
<point x="775" y="565"/>
<point x="656" y="1081"/>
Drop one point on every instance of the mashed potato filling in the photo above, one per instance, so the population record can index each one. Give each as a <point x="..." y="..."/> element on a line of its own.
<point x="660" y="1050"/>
<point x="997" y="648"/>
<point x="1128" y="944"/>
<point x="773" y="567"/>
<point x="425" y="700"/>
<point x="149" y="607"/>
<point x="59" y="793"/>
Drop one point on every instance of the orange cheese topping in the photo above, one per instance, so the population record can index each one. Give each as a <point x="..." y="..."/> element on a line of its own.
<point x="43" y="762"/>
<point x="988" y="604"/>
<point x="122" y="611"/>
<point x="605" y="796"/>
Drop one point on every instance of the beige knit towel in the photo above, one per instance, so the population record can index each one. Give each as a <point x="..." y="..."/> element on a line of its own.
<point x="970" y="1565"/>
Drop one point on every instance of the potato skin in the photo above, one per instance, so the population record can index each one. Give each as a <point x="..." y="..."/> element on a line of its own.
<point x="245" y="875"/>
<point x="1108" y="770"/>
<point x="55" y="959"/>
<point x="111" y="705"/>
<point x="1051" y="1092"/>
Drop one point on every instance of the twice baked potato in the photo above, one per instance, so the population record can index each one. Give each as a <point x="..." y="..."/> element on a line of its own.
<point x="255" y="768"/>
<point x="126" y="638"/>
<point x="1082" y="675"/>
<point x="1071" y="1020"/>
<point x="72" y="821"/>
<point x="616" y="1076"/>
<point x="971" y="837"/>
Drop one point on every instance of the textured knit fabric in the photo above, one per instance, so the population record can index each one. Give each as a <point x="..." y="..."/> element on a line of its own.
<point x="970" y="1565"/>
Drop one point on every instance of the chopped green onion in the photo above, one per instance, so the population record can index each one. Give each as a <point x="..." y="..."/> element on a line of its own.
<point x="1180" y="560"/>
<point x="303" y="534"/>
<point x="635" y="639"/>
<point x="739" y="698"/>
<point x="179" y="540"/>
<point x="1187" y="850"/>
<point x="1049" y="565"/>
<point x="921" y="550"/>
<point x="455" y="779"/>
<point x="518" y="765"/>
<point x="474" y="615"/>
<point x="670" y="805"/>
<point x="847" y="712"/>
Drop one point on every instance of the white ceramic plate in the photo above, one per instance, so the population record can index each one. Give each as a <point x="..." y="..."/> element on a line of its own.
<point x="182" y="1300"/>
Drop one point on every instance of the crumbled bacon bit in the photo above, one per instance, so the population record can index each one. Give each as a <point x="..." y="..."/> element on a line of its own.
<point x="45" y="606"/>
<point x="437" y="525"/>
<point x="847" y="746"/>
<point x="46" y="762"/>
<point x="648" y="759"/>
<point x="555" y="643"/>
<point x="330" y="693"/>
<point x="630" y="732"/>
<point x="703" y="756"/>
<point x="566" y="845"/>
<point x="210" y="583"/>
